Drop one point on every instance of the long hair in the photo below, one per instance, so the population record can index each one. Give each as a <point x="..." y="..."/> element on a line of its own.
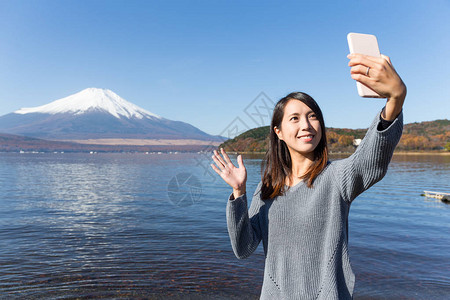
<point x="277" y="165"/>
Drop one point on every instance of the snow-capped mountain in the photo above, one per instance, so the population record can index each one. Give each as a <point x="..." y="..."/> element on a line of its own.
<point x="92" y="99"/>
<point x="96" y="114"/>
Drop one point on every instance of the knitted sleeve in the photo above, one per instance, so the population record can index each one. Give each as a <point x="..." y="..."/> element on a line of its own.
<point x="244" y="224"/>
<point x="370" y="161"/>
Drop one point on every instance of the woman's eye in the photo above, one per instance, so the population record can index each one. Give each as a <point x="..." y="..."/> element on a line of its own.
<point x="293" y="119"/>
<point x="312" y="116"/>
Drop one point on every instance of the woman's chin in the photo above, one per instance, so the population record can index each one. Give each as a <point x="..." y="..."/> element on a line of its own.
<point x="304" y="150"/>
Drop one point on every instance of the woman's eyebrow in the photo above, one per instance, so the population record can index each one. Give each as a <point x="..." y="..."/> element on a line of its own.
<point x="297" y="113"/>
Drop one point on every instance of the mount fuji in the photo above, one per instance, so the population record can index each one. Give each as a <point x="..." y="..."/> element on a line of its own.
<point x="96" y="114"/>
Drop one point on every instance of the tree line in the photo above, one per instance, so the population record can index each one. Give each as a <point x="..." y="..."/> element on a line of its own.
<point x="423" y="136"/>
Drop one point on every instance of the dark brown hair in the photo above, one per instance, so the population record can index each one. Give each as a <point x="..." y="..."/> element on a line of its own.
<point x="277" y="165"/>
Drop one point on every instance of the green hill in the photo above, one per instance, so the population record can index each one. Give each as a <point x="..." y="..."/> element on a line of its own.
<point x="423" y="136"/>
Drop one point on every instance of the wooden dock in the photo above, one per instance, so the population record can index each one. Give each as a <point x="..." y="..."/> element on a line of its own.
<point x="445" y="197"/>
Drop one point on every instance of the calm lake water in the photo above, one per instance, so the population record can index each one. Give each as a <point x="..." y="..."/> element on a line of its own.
<point x="153" y="227"/>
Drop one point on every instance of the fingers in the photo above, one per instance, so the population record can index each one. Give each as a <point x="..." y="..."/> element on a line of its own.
<point x="240" y="161"/>
<point x="361" y="59"/>
<point x="375" y="63"/>
<point x="363" y="74"/>
<point x="364" y="67"/>
<point x="225" y="162"/>
<point x="386" y="58"/>
<point x="218" y="160"/>
<point x="222" y="163"/>
<point x="225" y="156"/>
<point x="360" y="69"/>
<point x="216" y="169"/>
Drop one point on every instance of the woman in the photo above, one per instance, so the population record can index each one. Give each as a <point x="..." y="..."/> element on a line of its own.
<point x="300" y="207"/>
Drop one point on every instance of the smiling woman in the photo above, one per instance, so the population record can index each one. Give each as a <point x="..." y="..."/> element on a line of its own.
<point x="298" y="135"/>
<point x="301" y="206"/>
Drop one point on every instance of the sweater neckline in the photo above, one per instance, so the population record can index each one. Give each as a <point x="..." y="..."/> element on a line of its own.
<point x="298" y="184"/>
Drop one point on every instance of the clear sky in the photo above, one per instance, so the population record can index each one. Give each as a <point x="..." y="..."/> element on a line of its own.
<point x="204" y="62"/>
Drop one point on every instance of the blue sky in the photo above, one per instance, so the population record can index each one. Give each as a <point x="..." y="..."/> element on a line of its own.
<point x="204" y="62"/>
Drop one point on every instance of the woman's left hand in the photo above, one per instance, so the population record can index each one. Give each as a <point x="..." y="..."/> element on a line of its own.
<point x="380" y="77"/>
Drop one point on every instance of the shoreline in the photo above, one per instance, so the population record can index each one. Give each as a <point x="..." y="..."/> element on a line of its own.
<point x="440" y="153"/>
<point x="443" y="153"/>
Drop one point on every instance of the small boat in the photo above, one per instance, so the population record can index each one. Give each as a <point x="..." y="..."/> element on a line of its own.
<point x="444" y="197"/>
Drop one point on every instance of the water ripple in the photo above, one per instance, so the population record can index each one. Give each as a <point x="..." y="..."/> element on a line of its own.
<point x="102" y="226"/>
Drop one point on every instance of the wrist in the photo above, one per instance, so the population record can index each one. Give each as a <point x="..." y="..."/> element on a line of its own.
<point x="394" y="105"/>
<point x="400" y="95"/>
<point x="238" y="192"/>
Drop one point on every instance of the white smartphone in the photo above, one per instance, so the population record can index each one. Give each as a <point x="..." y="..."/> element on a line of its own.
<point x="366" y="44"/>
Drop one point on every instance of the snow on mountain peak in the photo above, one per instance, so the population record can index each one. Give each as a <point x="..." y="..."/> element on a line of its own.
<point x="92" y="99"/>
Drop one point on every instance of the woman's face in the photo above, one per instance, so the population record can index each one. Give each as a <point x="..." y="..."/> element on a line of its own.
<point x="300" y="128"/>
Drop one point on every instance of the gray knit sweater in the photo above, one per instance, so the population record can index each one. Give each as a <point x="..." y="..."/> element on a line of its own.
<point x="304" y="232"/>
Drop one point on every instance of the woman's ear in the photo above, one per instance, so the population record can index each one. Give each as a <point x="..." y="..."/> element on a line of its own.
<point x="278" y="133"/>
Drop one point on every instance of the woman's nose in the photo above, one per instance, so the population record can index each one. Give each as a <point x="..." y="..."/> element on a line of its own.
<point x="304" y="124"/>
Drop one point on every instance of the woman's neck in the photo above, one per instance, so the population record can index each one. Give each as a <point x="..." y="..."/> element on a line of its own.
<point x="300" y="165"/>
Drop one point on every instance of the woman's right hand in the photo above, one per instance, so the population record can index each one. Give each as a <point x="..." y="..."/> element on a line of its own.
<point x="235" y="177"/>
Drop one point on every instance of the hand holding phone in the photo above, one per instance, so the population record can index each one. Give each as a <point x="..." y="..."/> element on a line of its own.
<point x="364" y="44"/>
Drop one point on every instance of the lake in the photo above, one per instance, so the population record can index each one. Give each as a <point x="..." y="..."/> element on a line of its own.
<point x="153" y="226"/>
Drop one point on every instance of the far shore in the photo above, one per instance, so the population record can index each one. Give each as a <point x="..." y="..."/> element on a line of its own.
<point x="422" y="153"/>
<point x="144" y="142"/>
<point x="442" y="153"/>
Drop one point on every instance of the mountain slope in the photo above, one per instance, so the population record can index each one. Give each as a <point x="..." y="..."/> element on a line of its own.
<point x="96" y="114"/>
